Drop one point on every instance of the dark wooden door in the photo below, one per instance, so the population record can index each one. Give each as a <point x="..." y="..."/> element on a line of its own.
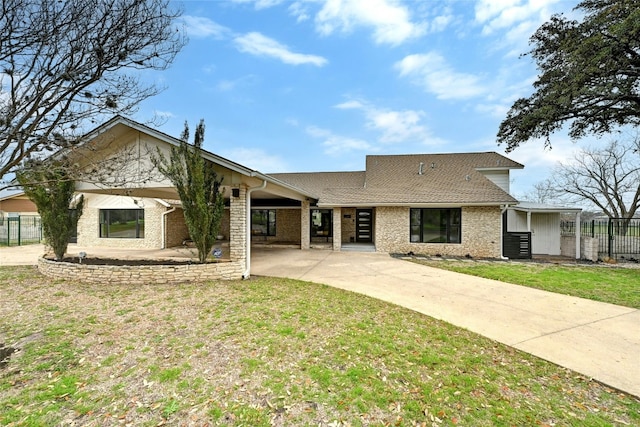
<point x="364" y="225"/>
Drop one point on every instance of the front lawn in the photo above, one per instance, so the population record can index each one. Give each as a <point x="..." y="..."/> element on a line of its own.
<point x="615" y="285"/>
<point x="266" y="352"/>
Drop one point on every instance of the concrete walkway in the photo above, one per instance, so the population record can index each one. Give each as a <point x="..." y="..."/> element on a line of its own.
<point x="599" y="340"/>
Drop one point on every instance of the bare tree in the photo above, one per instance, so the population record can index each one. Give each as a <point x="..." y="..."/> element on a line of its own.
<point x="607" y="177"/>
<point x="544" y="192"/>
<point x="64" y="64"/>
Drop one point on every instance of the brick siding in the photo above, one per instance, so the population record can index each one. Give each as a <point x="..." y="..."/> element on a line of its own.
<point x="481" y="230"/>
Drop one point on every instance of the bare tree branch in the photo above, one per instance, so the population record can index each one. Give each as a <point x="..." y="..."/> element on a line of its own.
<point x="64" y="64"/>
<point x="607" y="177"/>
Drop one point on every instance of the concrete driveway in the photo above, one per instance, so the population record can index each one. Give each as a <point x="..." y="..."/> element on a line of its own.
<point x="599" y="340"/>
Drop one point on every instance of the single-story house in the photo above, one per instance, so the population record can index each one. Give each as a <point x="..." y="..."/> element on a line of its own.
<point x="449" y="204"/>
<point x="16" y="203"/>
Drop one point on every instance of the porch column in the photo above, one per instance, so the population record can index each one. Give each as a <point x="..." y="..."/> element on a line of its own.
<point x="337" y="229"/>
<point x="238" y="227"/>
<point x="578" y="235"/>
<point x="305" y="225"/>
<point x="529" y="221"/>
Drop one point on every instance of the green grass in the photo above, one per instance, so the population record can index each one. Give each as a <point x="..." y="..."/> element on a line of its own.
<point x="615" y="285"/>
<point x="267" y="352"/>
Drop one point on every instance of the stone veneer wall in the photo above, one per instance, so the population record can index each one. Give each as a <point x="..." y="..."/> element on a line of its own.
<point x="89" y="229"/>
<point x="238" y="227"/>
<point x="588" y="247"/>
<point x="481" y="232"/>
<point x="139" y="275"/>
<point x="348" y="225"/>
<point x="305" y="225"/>
<point x="337" y="228"/>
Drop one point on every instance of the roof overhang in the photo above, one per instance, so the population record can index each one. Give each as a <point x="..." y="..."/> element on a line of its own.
<point x="415" y="205"/>
<point x="274" y="186"/>
<point x="542" y="208"/>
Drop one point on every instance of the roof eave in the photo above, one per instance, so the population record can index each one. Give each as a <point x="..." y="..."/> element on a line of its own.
<point x="415" y="205"/>
<point x="226" y="163"/>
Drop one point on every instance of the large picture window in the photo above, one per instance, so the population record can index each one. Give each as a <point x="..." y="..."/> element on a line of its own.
<point x="122" y="223"/>
<point x="263" y="222"/>
<point x="321" y="223"/>
<point x="436" y="225"/>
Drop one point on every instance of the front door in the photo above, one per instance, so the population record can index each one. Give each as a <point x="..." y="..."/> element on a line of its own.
<point x="364" y="225"/>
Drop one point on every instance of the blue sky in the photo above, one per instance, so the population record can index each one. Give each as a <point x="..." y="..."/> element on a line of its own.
<point x="295" y="86"/>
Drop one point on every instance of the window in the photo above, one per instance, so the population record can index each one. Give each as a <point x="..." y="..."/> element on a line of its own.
<point x="321" y="223"/>
<point x="122" y="223"/>
<point x="263" y="222"/>
<point x="436" y="225"/>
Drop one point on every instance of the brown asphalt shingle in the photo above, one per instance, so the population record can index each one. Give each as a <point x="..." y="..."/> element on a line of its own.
<point x="395" y="180"/>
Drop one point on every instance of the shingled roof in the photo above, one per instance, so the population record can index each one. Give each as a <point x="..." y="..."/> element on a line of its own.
<point x="414" y="179"/>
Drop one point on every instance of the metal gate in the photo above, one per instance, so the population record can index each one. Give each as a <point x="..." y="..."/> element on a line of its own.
<point x="20" y="230"/>
<point x="619" y="238"/>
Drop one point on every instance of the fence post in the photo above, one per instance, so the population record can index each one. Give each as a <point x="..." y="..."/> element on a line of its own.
<point x="19" y="230"/>
<point x="610" y="237"/>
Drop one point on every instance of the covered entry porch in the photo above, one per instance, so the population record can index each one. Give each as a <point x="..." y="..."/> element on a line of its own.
<point x="278" y="222"/>
<point x="540" y="224"/>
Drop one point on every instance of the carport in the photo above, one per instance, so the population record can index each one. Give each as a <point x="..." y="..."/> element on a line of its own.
<point x="120" y="152"/>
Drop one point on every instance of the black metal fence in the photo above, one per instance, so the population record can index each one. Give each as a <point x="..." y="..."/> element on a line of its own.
<point x="618" y="238"/>
<point x="20" y="230"/>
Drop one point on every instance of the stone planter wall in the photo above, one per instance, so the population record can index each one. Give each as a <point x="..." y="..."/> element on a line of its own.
<point x="141" y="274"/>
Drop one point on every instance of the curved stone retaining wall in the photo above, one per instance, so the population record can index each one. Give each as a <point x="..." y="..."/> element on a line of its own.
<point x="141" y="274"/>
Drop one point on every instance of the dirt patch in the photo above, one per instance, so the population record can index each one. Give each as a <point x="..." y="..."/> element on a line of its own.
<point x="5" y="355"/>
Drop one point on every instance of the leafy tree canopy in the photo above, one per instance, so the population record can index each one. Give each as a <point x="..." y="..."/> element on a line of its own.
<point x="52" y="190"/>
<point x="198" y="187"/>
<point x="589" y="75"/>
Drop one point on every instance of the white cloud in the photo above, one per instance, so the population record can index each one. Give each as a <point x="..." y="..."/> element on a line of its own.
<point x="500" y="14"/>
<point x="255" y="158"/>
<point x="391" y="22"/>
<point x="260" y="4"/>
<point x="163" y="115"/>
<point x="300" y="11"/>
<point x="440" y="23"/>
<point x="336" y="145"/>
<point x="432" y="72"/>
<point x="200" y="27"/>
<point x="394" y="126"/>
<point x="257" y="44"/>
<point x="228" y="85"/>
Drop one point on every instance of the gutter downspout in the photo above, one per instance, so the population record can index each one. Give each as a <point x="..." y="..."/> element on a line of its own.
<point x="246" y="273"/>
<point x="164" y="226"/>
<point x="502" y="231"/>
